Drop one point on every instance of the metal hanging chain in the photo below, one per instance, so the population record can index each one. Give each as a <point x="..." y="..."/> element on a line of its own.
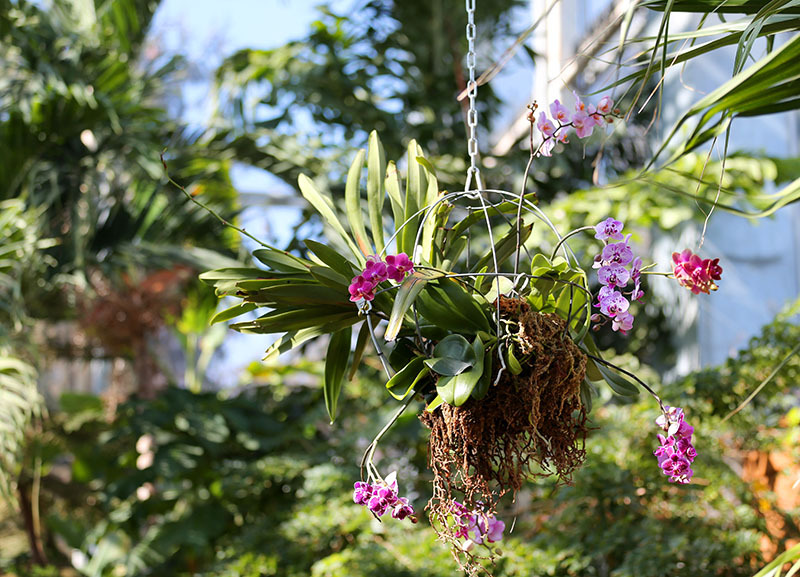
<point x="472" y="92"/>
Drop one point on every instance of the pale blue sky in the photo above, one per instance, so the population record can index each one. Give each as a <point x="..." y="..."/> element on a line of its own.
<point x="207" y="31"/>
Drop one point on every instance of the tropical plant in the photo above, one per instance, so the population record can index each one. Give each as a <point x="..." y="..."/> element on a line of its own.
<point x="474" y="344"/>
<point x="763" y="80"/>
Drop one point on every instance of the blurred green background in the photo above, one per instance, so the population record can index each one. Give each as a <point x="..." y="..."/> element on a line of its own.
<point x="131" y="440"/>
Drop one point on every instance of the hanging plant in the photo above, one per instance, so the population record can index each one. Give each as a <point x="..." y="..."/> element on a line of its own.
<point x="494" y="336"/>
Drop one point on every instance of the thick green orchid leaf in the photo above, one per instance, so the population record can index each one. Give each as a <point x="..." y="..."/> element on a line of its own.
<point x="402" y="383"/>
<point x="456" y="390"/>
<point x="300" y="295"/>
<point x="476" y="216"/>
<point x="376" y="171"/>
<point x="434" y="404"/>
<point x="416" y="195"/>
<point x="352" y="200"/>
<point x="503" y="248"/>
<point x="447" y="304"/>
<point x="513" y="364"/>
<point x="335" y="368"/>
<point x="587" y="390"/>
<point x="452" y="356"/>
<point x="482" y="388"/>
<point x="331" y="279"/>
<point x="406" y="295"/>
<point x="447" y="367"/>
<point x="620" y="384"/>
<point x="432" y="223"/>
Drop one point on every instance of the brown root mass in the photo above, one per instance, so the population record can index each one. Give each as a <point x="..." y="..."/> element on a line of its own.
<point x="531" y="424"/>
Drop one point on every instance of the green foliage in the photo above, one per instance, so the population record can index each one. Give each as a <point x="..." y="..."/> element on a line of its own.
<point x="81" y="131"/>
<point x="19" y="403"/>
<point x="247" y="486"/>
<point x="354" y="73"/>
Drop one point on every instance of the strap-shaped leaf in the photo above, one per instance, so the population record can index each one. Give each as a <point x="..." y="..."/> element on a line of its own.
<point x="233" y="312"/>
<point x="416" y="188"/>
<point x="352" y="201"/>
<point x="280" y="260"/>
<point x="330" y="257"/>
<point x="325" y="208"/>
<point x="376" y="171"/>
<point x="406" y="295"/>
<point x="431" y="224"/>
<point x="297" y="318"/>
<point x="335" y="368"/>
<point x="759" y="84"/>
<point x="392" y="184"/>
<point x="291" y="340"/>
<point x="447" y="304"/>
<point x="361" y="345"/>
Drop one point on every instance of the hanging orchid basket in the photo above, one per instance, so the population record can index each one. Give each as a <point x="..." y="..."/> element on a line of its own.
<point x="491" y="335"/>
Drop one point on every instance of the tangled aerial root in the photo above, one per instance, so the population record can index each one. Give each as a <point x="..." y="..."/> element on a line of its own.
<point x="530" y="424"/>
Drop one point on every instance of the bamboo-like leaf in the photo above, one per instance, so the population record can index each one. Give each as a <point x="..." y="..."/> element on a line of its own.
<point x="787" y="195"/>
<point x="281" y="260"/>
<point x="718" y="6"/>
<point x="431" y="224"/>
<point x="291" y="340"/>
<point x="233" y="312"/>
<point x="335" y="368"/>
<point x="392" y="184"/>
<point x="503" y="248"/>
<point x="416" y="188"/>
<point x="330" y="257"/>
<point x="297" y="318"/>
<point x="325" y="208"/>
<point x="376" y="171"/>
<point x="788" y="556"/>
<point x="352" y="199"/>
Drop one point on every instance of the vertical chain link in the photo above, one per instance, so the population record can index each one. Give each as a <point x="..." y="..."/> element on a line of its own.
<point x="472" y="92"/>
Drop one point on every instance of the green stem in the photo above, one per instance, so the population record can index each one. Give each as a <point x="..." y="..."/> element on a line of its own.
<point x="209" y="209"/>
<point x="764" y="383"/>
<point x="631" y="375"/>
<point x="366" y="460"/>
<point x="573" y="233"/>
